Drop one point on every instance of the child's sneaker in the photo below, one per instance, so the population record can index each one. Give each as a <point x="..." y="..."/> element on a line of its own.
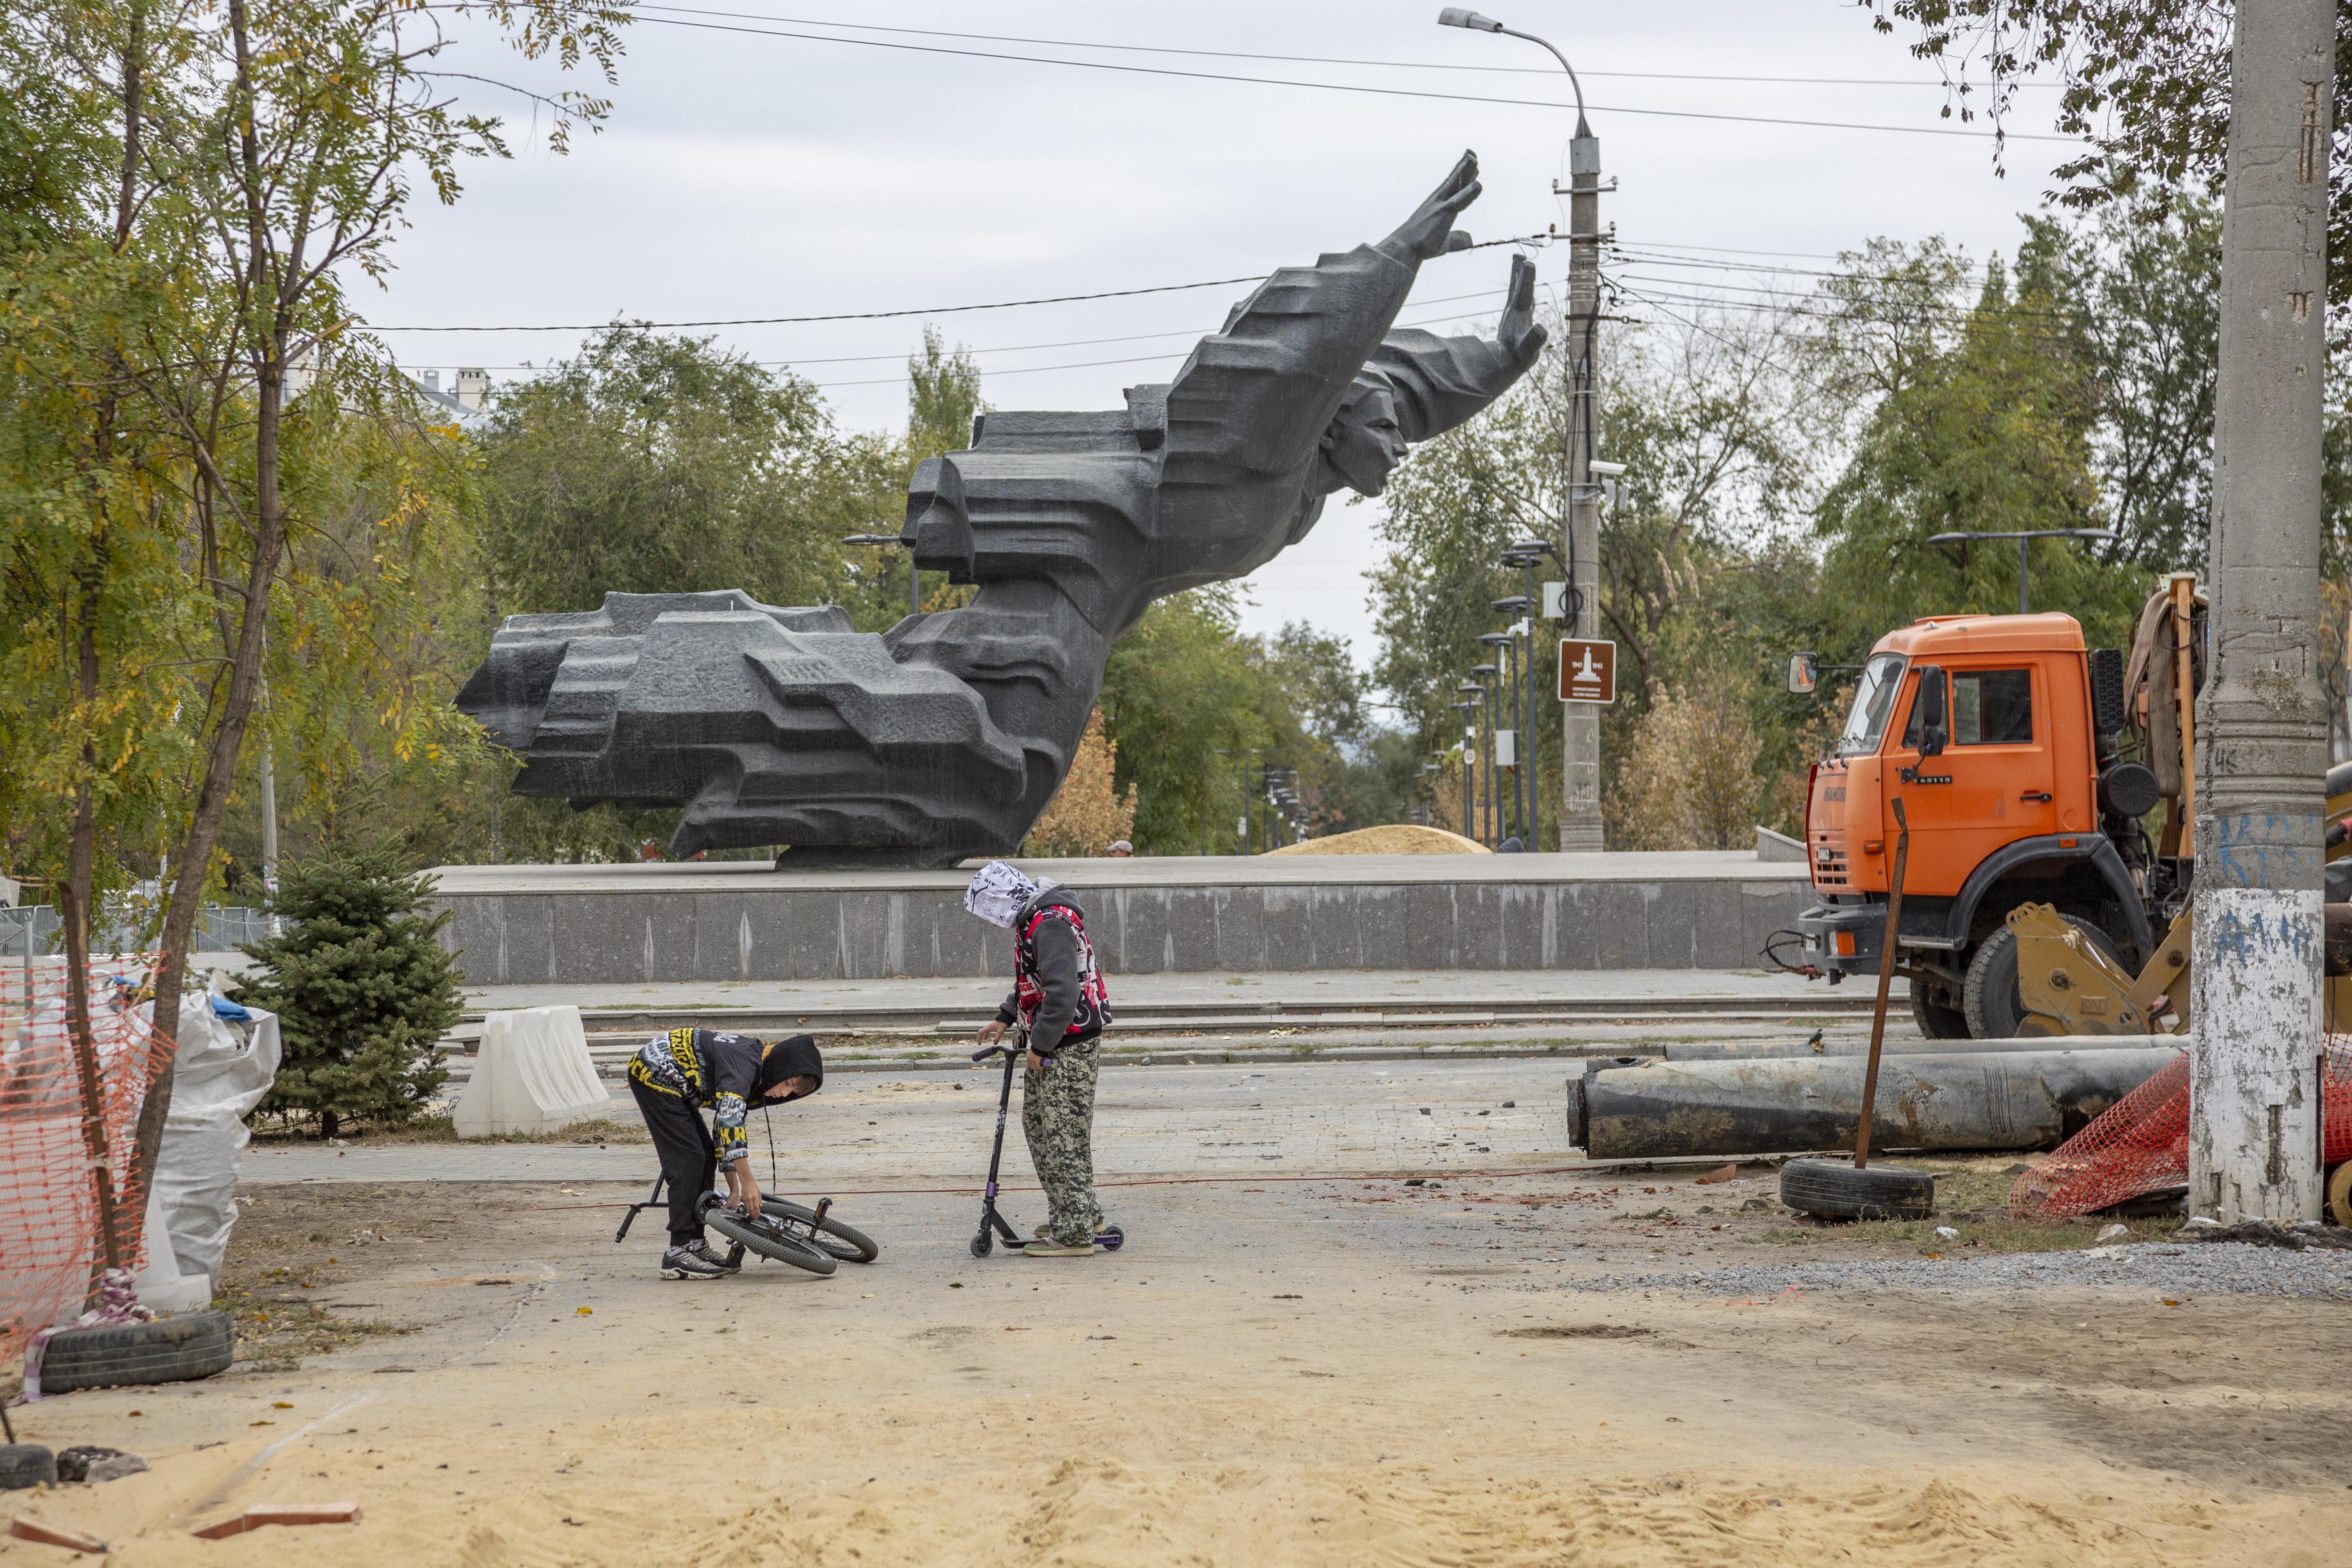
<point x="692" y="1261"/>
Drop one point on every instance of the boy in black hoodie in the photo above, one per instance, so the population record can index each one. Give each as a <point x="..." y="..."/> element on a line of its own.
<point x="679" y="1075"/>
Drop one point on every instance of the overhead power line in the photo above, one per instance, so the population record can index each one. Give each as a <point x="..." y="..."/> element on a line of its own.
<point x="848" y="315"/>
<point x="923" y="311"/>
<point x="1642" y="256"/>
<point x="1304" y="59"/>
<point x="1194" y="332"/>
<point x="1345" y="87"/>
<point x="1139" y="359"/>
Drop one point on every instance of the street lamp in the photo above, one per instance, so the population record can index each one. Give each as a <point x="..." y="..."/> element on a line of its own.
<point x="896" y="542"/>
<point x="2025" y="538"/>
<point x="1466" y="710"/>
<point x="1521" y="608"/>
<point x="1580" y="824"/>
<point x="1476" y="726"/>
<point x="1491" y="817"/>
<point x="1457" y="16"/>
<point x="1507" y="647"/>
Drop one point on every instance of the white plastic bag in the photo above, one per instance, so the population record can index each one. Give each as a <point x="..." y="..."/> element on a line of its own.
<point x="222" y="1072"/>
<point x="532" y="1074"/>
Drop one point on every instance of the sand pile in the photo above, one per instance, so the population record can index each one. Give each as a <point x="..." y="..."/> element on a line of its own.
<point x="1394" y="838"/>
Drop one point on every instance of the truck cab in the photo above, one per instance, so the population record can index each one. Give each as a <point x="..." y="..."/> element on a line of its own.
<point x="1997" y="734"/>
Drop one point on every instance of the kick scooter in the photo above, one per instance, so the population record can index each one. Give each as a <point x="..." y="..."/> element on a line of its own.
<point x="992" y="1223"/>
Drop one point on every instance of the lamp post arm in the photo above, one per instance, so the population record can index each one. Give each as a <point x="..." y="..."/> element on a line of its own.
<point x="1581" y="127"/>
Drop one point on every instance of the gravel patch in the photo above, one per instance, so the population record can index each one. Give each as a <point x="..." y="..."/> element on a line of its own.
<point x="2205" y="1269"/>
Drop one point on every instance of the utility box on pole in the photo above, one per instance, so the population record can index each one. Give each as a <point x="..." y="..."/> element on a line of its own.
<point x="1580" y="814"/>
<point x="2261" y="720"/>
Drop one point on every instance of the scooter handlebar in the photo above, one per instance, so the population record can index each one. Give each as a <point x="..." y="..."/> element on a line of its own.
<point x="987" y="1051"/>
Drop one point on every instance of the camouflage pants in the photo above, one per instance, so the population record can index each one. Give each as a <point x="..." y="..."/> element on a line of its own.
<point x="1057" y="1114"/>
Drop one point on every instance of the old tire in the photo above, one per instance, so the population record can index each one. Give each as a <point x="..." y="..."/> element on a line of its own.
<point x="1935" y="1021"/>
<point x="169" y="1350"/>
<point x="1833" y="1190"/>
<point x="26" y="1465"/>
<point x="1988" y="998"/>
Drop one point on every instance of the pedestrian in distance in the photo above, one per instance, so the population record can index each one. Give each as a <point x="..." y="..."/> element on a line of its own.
<point x="677" y="1076"/>
<point x="1122" y="850"/>
<point x="1061" y="1007"/>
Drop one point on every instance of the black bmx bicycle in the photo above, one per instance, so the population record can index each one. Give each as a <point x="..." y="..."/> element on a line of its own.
<point x="784" y="1232"/>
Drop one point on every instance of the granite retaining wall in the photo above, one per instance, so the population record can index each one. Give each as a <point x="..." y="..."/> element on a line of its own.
<point x="537" y="925"/>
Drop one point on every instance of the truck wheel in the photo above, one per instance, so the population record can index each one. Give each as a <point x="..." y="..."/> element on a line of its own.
<point x="1834" y="1190"/>
<point x="1989" y="1000"/>
<point x="1936" y="1021"/>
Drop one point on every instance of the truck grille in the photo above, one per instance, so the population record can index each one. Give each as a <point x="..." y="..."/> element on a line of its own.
<point x="1829" y="867"/>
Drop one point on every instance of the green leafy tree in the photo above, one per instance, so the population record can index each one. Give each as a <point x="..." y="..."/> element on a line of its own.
<point x="2136" y="288"/>
<point x="1994" y="434"/>
<point x="208" y="181"/>
<point x="942" y="399"/>
<point x="657" y="464"/>
<point x="2147" y="85"/>
<point x="1185" y="699"/>
<point x="363" y="991"/>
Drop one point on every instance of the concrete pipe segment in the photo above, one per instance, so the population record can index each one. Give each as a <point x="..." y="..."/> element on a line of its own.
<point x="1974" y="1100"/>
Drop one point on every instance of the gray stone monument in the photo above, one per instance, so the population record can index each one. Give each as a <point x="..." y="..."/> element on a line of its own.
<point x="946" y="736"/>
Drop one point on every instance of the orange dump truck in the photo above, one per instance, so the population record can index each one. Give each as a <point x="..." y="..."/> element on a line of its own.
<point x="2001" y="734"/>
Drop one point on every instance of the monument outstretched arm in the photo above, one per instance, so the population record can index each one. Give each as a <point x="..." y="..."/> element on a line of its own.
<point x="1438" y="383"/>
<point x="1257" y="397"/>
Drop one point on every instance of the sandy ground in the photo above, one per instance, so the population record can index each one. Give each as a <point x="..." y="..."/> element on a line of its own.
<point x="1322" y="1371"/>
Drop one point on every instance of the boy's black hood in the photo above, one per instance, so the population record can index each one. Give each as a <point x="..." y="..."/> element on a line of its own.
<point x="795" y="1056"/>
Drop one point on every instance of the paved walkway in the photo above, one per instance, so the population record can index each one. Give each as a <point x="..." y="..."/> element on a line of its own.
<point x="930" y="1128"/>
<point x="1343" y="988"/>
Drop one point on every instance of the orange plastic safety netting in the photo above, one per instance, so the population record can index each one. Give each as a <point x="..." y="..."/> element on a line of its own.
<point x="2139" y="1145"/>
<point x="56" y="1157"/>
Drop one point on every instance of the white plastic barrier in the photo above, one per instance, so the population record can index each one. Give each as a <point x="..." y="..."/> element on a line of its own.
<point x="160" y="1286"/>
<point x="221" y="1073"/>
<point x="533" y="1075"/>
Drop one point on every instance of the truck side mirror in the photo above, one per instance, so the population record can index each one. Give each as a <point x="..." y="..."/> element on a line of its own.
<point x="1804" y="673"/>
<point x="1930" y="705"/>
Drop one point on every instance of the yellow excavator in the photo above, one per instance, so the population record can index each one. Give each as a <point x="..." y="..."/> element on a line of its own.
<point x="2069" y="981"/>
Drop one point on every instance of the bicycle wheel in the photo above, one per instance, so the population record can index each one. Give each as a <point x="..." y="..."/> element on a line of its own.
<point x="845" y="1242"/>
<point x="762" y="1236"/>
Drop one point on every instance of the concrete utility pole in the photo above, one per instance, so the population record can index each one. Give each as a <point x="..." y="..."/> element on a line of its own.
<point x="2261" y="722"/>
<point x="1580" y="809"/>
<point x="1580" y="814"/>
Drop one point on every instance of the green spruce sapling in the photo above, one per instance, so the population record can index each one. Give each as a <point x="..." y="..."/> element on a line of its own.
<point x="361" y="989"/>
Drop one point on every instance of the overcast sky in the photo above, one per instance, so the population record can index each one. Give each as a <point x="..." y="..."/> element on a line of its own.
<point x="749" y="175"/>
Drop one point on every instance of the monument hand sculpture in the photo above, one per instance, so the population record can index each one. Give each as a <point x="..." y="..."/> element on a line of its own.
<point x="946" y="736"/>
<point x="1517" y="334"/>
<point x="1430" y="232"/>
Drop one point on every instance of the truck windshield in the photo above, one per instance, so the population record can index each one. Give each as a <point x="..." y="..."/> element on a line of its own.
<point x="1874" y="699"/>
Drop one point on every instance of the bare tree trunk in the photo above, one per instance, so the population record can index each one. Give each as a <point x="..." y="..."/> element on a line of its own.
<point x="74" y="900"/>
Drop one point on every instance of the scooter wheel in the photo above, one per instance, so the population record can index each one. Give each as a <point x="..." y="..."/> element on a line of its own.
<point x="982" y="1245"/>
<point x="1111" y="1240"/>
